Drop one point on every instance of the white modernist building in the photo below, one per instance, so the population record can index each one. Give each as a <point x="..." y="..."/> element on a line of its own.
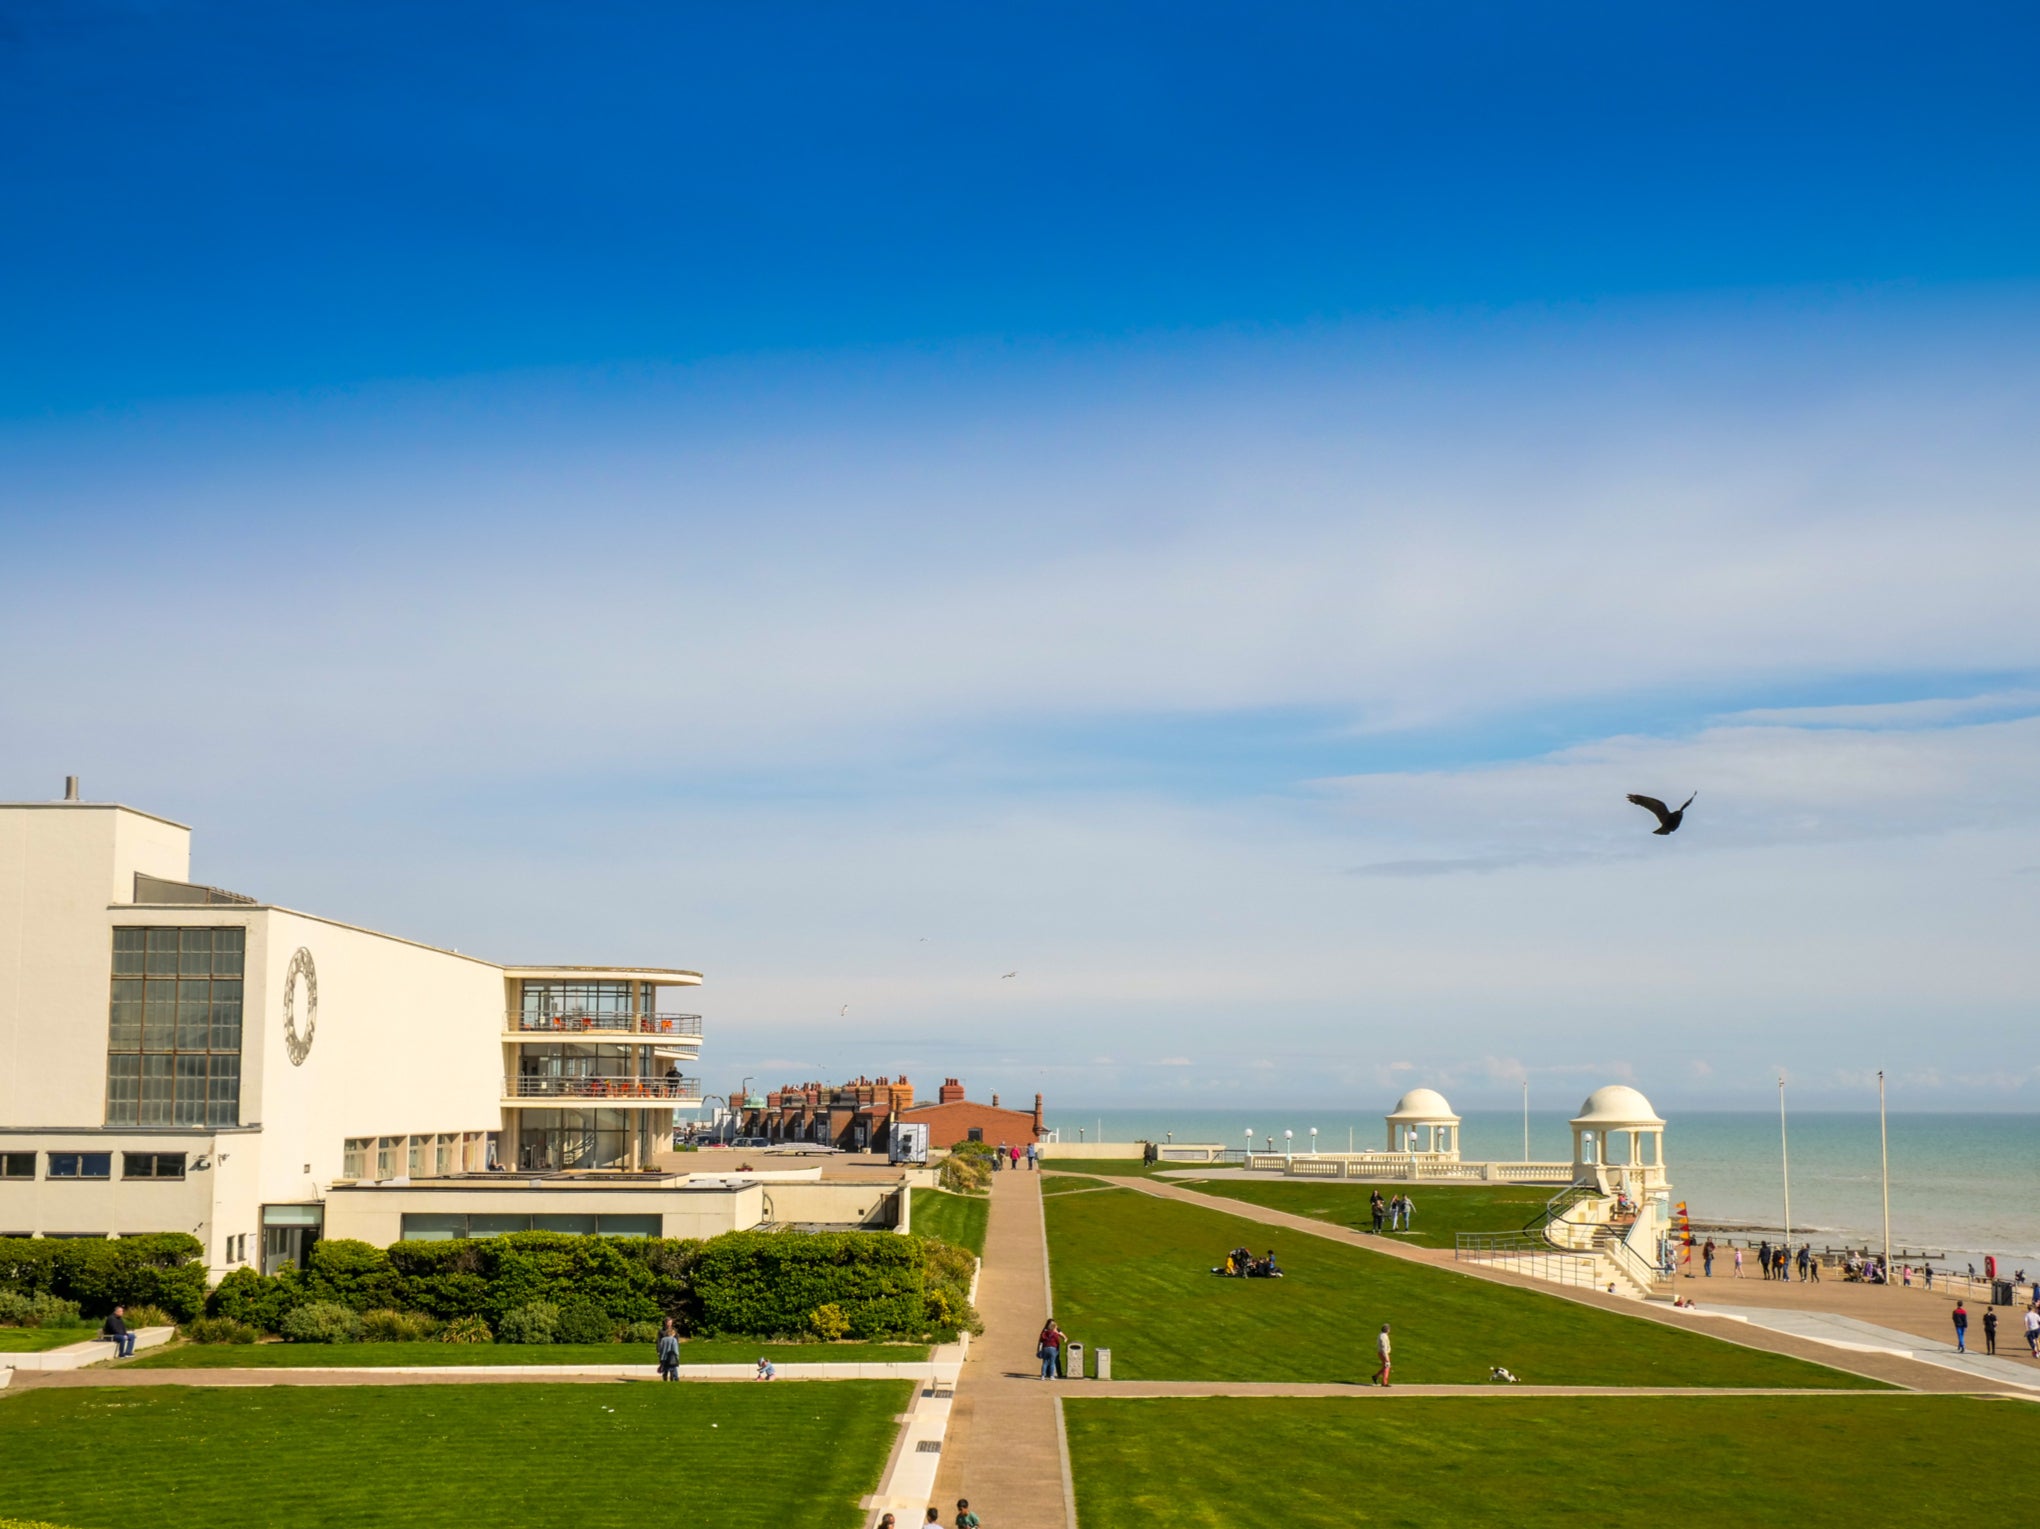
<point x="174" y="1057"/>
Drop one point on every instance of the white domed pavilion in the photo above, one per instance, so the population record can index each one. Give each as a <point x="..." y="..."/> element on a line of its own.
<point x="1422" y="1122"/>
<point x="1620" y="1140"/>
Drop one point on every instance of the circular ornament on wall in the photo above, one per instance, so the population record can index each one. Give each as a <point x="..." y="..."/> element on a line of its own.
<point x="297" y="1041"/>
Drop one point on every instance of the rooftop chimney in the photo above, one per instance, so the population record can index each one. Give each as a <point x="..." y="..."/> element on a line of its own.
<point x="70" y="788"/>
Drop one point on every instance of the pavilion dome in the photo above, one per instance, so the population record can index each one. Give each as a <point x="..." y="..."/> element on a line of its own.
<point x="1616" y="1105"/>
<point x="1423" y="1104"/>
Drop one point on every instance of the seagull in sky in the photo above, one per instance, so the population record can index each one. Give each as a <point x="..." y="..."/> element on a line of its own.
<point x="1668" y="818"/>
<point x="842" y="1011"/>
<point x="1009" y="974"/>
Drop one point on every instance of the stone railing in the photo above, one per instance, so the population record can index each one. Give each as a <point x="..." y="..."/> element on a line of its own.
<point x="1406" y="1168"/>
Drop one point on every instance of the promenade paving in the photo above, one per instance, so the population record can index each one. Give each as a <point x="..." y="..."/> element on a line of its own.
<point x="1004" y="1450"/>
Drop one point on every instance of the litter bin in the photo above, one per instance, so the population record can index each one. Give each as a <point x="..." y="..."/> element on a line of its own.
<point x="1104" y="1362"/>
<point x="2001" y="1292"/>
<point x="1073" y="1359"/>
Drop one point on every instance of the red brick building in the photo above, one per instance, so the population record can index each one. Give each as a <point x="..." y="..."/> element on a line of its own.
<point x="953" y="1118"/>
<point x="858" y="1116"/>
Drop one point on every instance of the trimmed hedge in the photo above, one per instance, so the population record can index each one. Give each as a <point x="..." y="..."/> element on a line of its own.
<point x="753" y="1284"/>
<point x="163" y="1269"/>
<point x="769" y="1284"/>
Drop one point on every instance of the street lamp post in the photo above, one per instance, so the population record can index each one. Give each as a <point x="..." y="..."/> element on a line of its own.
<point x="1313" y="1141"/>
<point x="1250" y="1144"/>
<point x="1526" y="1120"/>
<point x="1288" y="1145"/>
<point x="1785" y="1160"/>
<point x="1884" y="1160"/>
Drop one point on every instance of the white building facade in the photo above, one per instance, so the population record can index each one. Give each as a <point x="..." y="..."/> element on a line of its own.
<point x="178" y="1058"/>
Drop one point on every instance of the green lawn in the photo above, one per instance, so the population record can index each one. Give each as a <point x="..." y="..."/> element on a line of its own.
<point x="1069" y="1183"/>
<point x="367" y="1356"/>
<point x="1442" y="1210"/>
<point x="1808" y="1462"/>
<point x="483" y="1457"/>
<point x="35" y="1340"/>
<point x="1128" y="1167"/>
<point x="1131" y="1273"/>
<point x="954" y="1218"/>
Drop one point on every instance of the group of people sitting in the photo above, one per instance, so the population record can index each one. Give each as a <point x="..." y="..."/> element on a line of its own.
<point x="1240" y="1263"/>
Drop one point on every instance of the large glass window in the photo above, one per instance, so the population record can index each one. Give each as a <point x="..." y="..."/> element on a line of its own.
<point x="567" y="1005"/>
<point x="434" y="1226"/>
<point x="17" y="1165"/>
<point x="174" y="1028"/>
<point x="564" y="1139"/>
<point x="354" y="1157"/>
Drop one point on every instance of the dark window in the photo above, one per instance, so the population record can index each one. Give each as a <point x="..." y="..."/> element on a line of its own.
<point x="152" y="1165"/>
<point x="81" y="1165"/>
<point x="17" y="1165"/>
<point x="977" y="1133"/>
<point x="174" y="1027"/>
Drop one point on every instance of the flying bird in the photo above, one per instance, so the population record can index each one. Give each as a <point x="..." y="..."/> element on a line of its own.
<point x="1668" y="818"/>
<point x="1009" y="974"/>
<point x="842" y="1011"/>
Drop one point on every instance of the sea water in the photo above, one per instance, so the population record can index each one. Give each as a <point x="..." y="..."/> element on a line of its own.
<point x="1962" y="1185"/>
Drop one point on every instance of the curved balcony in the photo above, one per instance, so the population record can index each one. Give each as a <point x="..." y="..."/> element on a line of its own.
<point x="608" y="1093"/>
<point x="530" y="1027"/>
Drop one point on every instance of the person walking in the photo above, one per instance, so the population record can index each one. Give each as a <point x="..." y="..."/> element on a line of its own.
<point x="1802" y="1257"/>
<point x="1928" y="1271"/>
<point x="669" y="1352"/>
<point x="999" y="1158"/>
<point x="1764" y="1258"/>
<point x="1409" y="1207"/>
<point x="1961" y="1328"/>
<point x="1989" y="1330"/>
<point x="965" y="1519"/>
<point x="1016" y="1159"/>
<point x="1738" y="1263"/>
<point x="116" y="1329"/>
<point x="1381" y="1347"/>
<point x="1374" y="1208"/>
<point x="1812" y="1264"/>
<point x="2033" y="1329"/>
<point x="1033" y="1158"/>
<point x="1048" y="1348"/>
<point x="1707" y="1259"/>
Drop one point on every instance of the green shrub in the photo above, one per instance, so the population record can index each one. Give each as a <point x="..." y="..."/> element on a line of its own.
<point x="219" y="1330"/>
<point x="631" y="1279"/>
<point x="533" y="1322"/>
<point x="828" y="1322"/>
<point x="153" y="1269"/>
<point x="465" y="1330"/>
<point x="385" y="1326"/>
<point x="146" y="1315"/>
<point x="641" y="1332"/>
<point x="947" y="1271"/>
<point x="260" y="1300"/>
<point x="765" y="1284"/>
<point x="966" y="1173"/>
<point x="582" y="1321"/>
<point x="321" y="1322"/>
<point x="357" y="1275"/>
<point x="39" y="1310"/>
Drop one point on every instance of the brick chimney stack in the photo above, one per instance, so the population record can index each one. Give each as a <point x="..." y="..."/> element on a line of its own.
<point x="1037" y="1117"/>
<point x="951" y="1092"/>
<point x="995" y="1101"/>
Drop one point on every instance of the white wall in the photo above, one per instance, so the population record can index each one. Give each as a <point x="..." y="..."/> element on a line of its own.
<point x="60" y="865"/>
<point x="375" y="1215"/>
<point x="408" y="1041"/>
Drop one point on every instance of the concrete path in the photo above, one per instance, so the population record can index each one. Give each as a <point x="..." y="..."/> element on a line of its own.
<point x="1004" y="1450"/>
<point x="1885" y="1366"/>
<point x="1847" y="1332"/>
<point x="1075" y="1390"/>
<point x="928" y="1373"/>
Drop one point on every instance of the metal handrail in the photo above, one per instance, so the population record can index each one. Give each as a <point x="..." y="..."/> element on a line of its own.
<point x="633" y="1024"/>
<point x="602" y="1088"/>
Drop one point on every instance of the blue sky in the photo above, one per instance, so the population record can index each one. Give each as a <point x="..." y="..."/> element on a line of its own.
<point x="1209" y="506"/>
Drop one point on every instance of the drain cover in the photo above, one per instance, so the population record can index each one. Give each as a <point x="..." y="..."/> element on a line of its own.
<point x="928" y="1447"/>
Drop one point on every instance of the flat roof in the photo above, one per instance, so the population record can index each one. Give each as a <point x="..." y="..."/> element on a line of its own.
<point x="156" y="817"/>
<point x="664" y="976"/>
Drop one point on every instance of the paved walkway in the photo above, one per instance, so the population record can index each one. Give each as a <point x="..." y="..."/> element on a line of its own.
<point x="1004" y="1450"/>
<point x="2001" y="1370"/>
<point x="1884" y="1366"/>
